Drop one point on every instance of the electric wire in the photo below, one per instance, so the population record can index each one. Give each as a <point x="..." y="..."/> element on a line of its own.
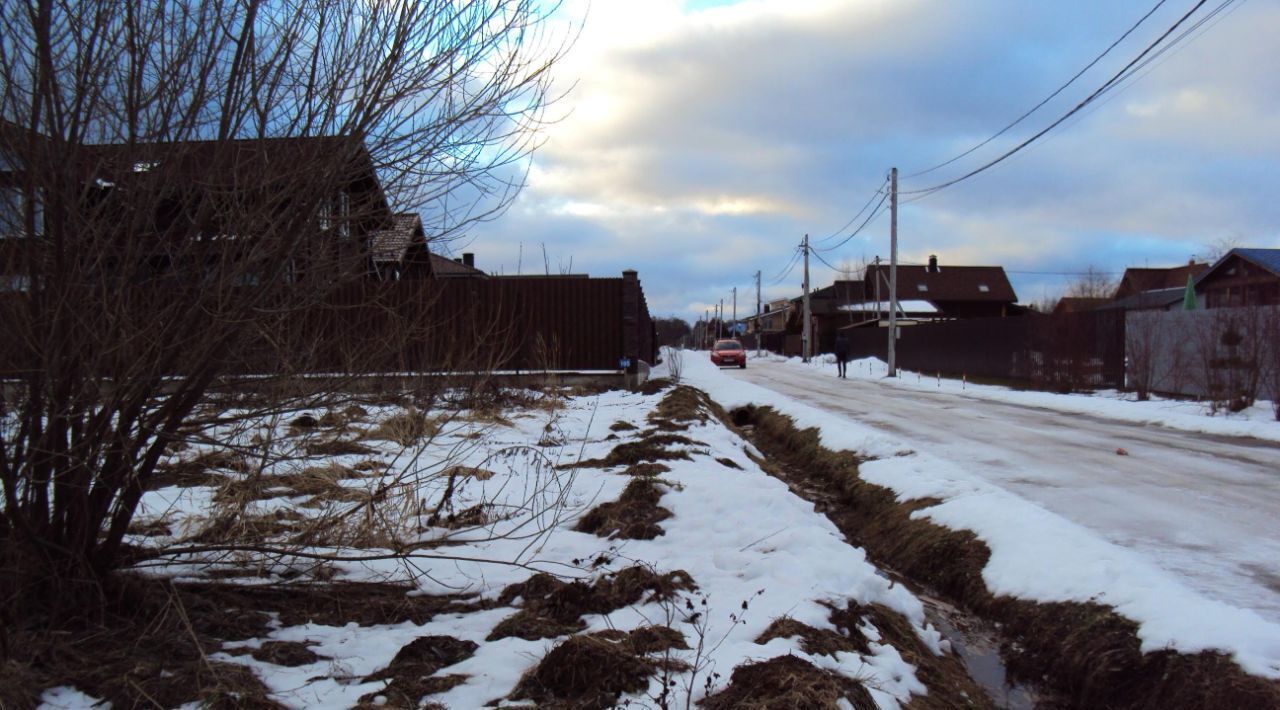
<point x="838" y="232"/>
<point x="1048" y="98"/>
<point x="1111" y="83"/>
<point x="874" y="213"/>
<point x="786" y="270"/>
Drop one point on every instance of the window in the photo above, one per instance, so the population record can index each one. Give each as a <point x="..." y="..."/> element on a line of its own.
<point x="13" y="216"/>
<point x="984" y="288"/>
<point x="14" y="283"/>
<point x="344" y="214"/>
<point x="922" y="287"/>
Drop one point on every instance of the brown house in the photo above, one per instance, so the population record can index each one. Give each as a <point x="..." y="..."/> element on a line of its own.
<point x="952" y="291"/>
<point x="1243" y="277"/>
<point x="1139" y="281"/>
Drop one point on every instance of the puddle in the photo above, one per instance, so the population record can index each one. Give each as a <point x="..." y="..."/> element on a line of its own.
<point x="979" y="649"/>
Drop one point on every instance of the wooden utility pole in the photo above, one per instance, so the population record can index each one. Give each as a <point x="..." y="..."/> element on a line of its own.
<point x="759" y="329"/>
<point x="893" y="273"/>
<point x="720" y="320"/>
<point x="805" y="334"/>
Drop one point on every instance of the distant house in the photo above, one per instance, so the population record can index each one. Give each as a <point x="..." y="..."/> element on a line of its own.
<point x="1243" y="277"/>
<point x="1078" y="304"/>
<point x="928" y="292"/>
<point x="1147" y="289"/>
<point x="952" y="291"/>
<point x="174" y="210"/>
<point x="1137" y="281"/>
<point x="402" y="252"/>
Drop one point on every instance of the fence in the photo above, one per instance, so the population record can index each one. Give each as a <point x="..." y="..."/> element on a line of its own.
<point x="1066" y="351"/>
<point x="1227" y="355"/>
<point x="560" y="323"/>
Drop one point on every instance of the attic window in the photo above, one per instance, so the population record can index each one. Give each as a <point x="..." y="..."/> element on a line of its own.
<point x="984" y="288"/>
<point x="922" y="287"/>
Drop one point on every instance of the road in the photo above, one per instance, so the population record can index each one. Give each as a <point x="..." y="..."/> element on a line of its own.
<point x="1204" y="507"/>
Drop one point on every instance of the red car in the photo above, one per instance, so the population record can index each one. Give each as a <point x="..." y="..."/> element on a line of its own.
<point x="728" y="352"/>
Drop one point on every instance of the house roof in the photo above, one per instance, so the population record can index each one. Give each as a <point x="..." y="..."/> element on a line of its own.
<point x="443" y="266"/>
<point x="1144" y="300"/>
<point x="1268" y="259"/>
<point x="390" y="245"/>
<point x="948" y="283"/>
<point x="1075" y="304"/>
<point x="1138" y="280"/>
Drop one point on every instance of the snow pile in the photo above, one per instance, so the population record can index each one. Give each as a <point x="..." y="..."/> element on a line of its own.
<point x="1036" y="555"/>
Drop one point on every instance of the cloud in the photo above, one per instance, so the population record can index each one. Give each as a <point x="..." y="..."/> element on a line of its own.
<point x="706" y="139"/>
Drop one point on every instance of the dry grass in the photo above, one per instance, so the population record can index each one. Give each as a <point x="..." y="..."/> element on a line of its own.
<point x="409" y="671"/>
<point x="553" y="607"/>
<point x="814" y="641"/>
<point x="787" y="682"/>
<point x="592" y="670"/>
<point x="634" y="516"/>
<point x="337" y="447"/>
<point x="406" y="428"/>
<point x="1087" y="653"/>
<point x="321" y="483"/>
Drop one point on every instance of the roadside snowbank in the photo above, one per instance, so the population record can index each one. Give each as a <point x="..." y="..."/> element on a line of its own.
<point x="1035" y="554"/>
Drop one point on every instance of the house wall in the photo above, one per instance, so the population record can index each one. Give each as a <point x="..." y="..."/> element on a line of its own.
<point x="1238" y="283"/>
<point x="1194" y="353"/>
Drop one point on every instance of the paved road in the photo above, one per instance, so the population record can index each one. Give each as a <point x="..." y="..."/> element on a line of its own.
<point x="1204" y="507"/>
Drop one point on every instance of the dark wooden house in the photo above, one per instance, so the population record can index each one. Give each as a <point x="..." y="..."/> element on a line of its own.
<point x="1243" y="277"/>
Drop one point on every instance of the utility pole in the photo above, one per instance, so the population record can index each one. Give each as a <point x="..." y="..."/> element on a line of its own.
<point x="893" y="273"/>
<point x="878" y="277"/>
<point x="735" y="311"/>
<point x="720" y="321"/>
<point x="759" y="330"/>
<point x="806" y="346"/>
<point x="706" y="328"/>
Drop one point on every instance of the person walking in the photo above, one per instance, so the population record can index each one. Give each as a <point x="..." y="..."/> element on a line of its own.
<point x="842" y="355"/>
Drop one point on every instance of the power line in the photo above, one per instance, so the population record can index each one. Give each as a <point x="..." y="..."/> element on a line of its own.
<point x="1048" y="98"/>
<point x="1111" y="83"/>
<point x="786" y="270"/>
<point x="874" y="213"/>
<point x="838" y="232"/>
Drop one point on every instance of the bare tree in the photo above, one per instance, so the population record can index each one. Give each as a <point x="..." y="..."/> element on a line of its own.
<point x="1093" y="283"/>
<point x="191" y="185"/>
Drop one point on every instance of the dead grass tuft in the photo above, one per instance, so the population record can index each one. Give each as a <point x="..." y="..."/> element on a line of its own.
<point x="634" y="516"/>
<point x="405" y="428"/>
<point x="787" y="682"/>
<point x="321" y="483"/>
<point x="282" y="653"/>
<point x="337" y="447"/>
<point x="592" y="670"/>
<point x="553" y="607"/>
<point x="644" y="450"/>
<point x="814" y="641"/>
<point x="198" y="471"/>
<point x="622" y="425"/>
<point x="646" y="469"/>
<point x="413" y="663"/>
<point x="684" y="406"/>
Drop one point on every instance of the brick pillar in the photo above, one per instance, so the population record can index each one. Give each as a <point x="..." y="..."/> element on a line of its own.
<point x="631" y="318"/>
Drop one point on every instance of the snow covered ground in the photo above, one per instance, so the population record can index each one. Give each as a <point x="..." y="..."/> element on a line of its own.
<point x="755" y="551"/>
<point x="1189" y="557"/>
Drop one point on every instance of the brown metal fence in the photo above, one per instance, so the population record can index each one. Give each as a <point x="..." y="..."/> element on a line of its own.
<point x="1069" y="351"/>
<point x="569" y="323"/>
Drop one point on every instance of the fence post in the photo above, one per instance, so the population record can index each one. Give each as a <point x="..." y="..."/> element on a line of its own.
<point x="631" y="319"/>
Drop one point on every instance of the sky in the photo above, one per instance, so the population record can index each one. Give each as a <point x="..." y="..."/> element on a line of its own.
<point x="698" y="141"/>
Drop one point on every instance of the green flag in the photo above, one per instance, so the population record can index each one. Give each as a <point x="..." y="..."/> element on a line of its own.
<point x="1189" y="298"/>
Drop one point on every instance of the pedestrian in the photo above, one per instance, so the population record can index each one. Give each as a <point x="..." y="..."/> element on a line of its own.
<point x="842" y="355"/>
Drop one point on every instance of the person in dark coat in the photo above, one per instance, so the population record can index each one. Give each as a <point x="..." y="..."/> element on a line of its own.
<point x="842" y="355"/>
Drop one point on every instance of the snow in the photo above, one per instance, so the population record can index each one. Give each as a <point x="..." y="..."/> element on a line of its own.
<point x="903" y="307"/>
<point x="755" y="551"/>
<point x="1038" y="554"/>
<point x="67" y="698"/>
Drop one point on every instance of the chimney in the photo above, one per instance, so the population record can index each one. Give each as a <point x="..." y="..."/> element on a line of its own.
<point x="933" y="264"/>
<point x="469" y="259"/>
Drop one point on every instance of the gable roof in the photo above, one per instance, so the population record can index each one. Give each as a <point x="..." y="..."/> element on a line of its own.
<point x="391" y="245"/>
<point x="443" y="266"/>
<point x="1268" y="259"/>
<point x="1141" y="280"/>
<point x="948" y="283"/>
